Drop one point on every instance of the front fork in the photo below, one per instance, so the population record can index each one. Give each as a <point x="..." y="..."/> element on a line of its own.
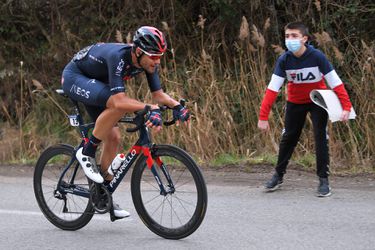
<point x="161" y="165"/>
<point x="166" y="174"/>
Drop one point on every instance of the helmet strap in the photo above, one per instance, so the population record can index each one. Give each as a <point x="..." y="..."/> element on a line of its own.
<point x="138" y="56"/>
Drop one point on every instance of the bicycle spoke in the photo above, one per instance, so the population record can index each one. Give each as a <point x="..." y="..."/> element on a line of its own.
<point x="158" y="207"/>
<point x="171" y="213"/>
<point x="75" y="203"/>
<point x="151" y="190"/>
<point x="185" y="192"/>
<point x="152" y="199"/>
<point x="48" y="192"/>
<point x="178" y="186"/>
<point x="186" y="202"/>
<point x="151" y="184"/>
<point x="49" y="199"/>
<point x="174" y="211"/>
<point x="56" y="202"/>
<point x="180" y="201"/>
<point x="161" y="215"/>
<point x="178" y="179"/>
<point x="52" y="180"/>
<point x="52" y="175"/>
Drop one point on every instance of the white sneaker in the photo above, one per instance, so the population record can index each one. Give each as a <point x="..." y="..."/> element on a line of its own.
<point x="119" y="212"/>
<point x="89" y="166"/>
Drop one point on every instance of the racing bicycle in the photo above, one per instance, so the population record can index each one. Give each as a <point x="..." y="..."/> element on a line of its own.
<point x="167" y="187"/>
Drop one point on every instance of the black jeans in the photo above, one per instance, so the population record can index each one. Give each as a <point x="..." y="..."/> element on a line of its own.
<point x="295" y="117"/>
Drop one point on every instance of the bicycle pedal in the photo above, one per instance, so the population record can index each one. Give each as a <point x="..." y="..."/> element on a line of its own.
<point x="112" y="215"/>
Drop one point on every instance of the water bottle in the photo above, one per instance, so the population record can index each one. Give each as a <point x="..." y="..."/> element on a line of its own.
<point x="116" y="163"/>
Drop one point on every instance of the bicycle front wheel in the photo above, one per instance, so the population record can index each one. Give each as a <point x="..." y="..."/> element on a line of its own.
<point x="179" y="212"/>
<point x="60" y="206"/>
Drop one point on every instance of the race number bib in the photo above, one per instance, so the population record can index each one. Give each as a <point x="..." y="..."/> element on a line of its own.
<point x="73" y="119"/>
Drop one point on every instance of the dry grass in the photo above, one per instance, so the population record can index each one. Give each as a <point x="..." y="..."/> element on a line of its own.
<point x="9" y="144"/>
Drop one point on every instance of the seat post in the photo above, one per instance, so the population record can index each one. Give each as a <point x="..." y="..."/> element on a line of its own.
<point x="77" y="111"/>
<point x="83" y="128"/>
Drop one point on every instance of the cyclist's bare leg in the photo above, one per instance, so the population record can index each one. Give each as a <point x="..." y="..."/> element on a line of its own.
<point x="105" y="122"/>
<point x="111" y="142"/>
<point x="109" y="150"/>
<point x="105" y="129"/>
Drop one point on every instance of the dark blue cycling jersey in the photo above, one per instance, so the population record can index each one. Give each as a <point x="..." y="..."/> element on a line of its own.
<point x="111" y="63"/>
<point x="99" y="71"/>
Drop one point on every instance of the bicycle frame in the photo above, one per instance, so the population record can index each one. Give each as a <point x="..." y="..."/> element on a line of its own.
<point x="143" y="145"/>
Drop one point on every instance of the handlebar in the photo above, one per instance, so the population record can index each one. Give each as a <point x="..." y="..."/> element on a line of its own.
<point x="139" y="118"/>
<point x="173" y="121"/>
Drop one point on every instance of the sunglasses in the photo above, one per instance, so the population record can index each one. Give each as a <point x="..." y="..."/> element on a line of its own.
<point x="152" y="56"/>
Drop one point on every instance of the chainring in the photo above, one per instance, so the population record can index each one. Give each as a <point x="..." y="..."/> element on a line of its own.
<point x="100" y="198"/>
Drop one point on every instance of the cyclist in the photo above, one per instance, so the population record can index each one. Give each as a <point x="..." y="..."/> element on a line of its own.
<point x="305" y="68"/>
<point x="95" y="76"/>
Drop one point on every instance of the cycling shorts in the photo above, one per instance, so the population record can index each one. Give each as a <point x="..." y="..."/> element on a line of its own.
<point x="93" y="93"/>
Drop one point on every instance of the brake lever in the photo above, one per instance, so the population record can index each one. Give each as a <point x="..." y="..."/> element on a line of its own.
<point x="132" y="130"/>
<point x="183" y="102"/>
<point x="169" y="123"/>
<point x="139" y="119"/>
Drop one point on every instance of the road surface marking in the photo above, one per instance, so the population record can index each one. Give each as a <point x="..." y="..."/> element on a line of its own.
<point x="101" y="217"/>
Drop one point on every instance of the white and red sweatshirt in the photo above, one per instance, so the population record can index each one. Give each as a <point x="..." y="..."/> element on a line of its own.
<point x="304" y="74"/>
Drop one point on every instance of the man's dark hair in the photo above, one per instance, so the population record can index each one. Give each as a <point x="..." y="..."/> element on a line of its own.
<point x="298" y="26"/>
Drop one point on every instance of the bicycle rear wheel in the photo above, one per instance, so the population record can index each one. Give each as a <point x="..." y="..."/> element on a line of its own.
<point x="181" y="211"/>
<point x="65" y="210"/>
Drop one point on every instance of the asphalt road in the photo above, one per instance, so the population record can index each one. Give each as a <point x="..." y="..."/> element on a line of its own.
<point x="240" y="215"/>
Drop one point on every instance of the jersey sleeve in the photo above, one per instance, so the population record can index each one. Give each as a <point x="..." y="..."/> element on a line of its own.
<point x="343" y="97"/>
<point x="153" y="80"/>
<point x="115" y="72"/>
<point x="334" y="81"/>
<point x="279" y="67"/>
<point x="277" y="81"/>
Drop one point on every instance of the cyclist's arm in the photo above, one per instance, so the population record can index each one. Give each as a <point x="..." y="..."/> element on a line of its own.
<point x="164" y="99"/>
<point x="121" y="101"/>
<point x="157" y="92"/>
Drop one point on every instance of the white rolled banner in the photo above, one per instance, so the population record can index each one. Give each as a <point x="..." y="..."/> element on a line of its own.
<point x="328" y="100"/>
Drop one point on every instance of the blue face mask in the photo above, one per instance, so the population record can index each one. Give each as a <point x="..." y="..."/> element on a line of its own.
<point x="293" y="44"/>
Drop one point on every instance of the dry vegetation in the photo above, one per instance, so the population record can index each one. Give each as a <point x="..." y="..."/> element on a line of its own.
<point x="221" y="55"/>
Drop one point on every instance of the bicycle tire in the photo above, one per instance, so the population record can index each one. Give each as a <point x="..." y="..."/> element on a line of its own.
<point x="46" y="176"/>
<point x="179" y="165"/>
